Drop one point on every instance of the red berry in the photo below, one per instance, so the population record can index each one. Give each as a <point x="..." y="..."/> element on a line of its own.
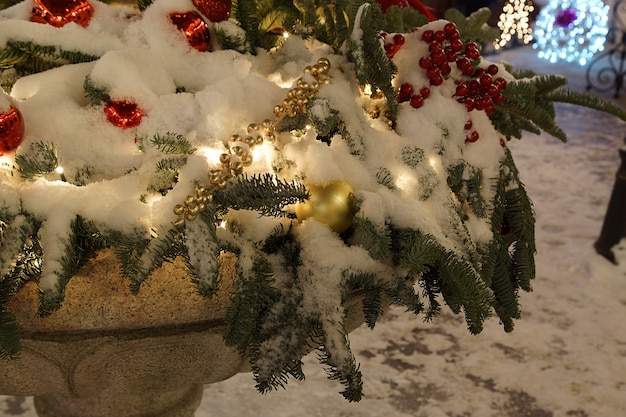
<point x="492" y="90"/>
<point x="484" y="102"/>
<point x="428" y="36"/>
<point x="398" y="38"/>
<point x="489" y="109"/>
<point x="437" y="80"/>
<point x="474" y="136"/>
<point x="474" y="87"/>
<point x="449" y="28"/>
<point x="425" y="92"/>
<point x="464" y="65"/>
<point x="500" y="82"/>
<point x="456" y="45"/>
<point x="405" y="92"/>
<point x="486" y="80"/>
<point x="445" y="69"/>
<point x="425" y="62"/>
<point x="417" y="101"/>
<point x="502" y="142"/>
<point x="462" y="90"/>
<point x="438" y="57"/>
<point x="434" y="46"/>
<point x="433" y="72"/>
<point x="392" y="49"/>
<point x="499" y="98"/>
<point x="492" y="69"/>
<point x="468" y="124"/>
<point x="469" y="104"/>
<point x="382" y="35"/>
<point x="440" y="36"/>
<point x="472" y="54"/>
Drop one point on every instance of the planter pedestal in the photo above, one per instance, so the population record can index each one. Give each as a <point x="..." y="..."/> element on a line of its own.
<point x="107" y="353"/>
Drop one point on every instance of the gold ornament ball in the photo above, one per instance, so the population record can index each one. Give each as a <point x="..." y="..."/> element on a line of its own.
<point x="333" y="204"/>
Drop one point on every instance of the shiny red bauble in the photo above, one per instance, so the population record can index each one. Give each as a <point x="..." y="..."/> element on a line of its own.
<point x="214" y="10"/>
<point x="123" y="114"/>
<point x="58" y="13"/>
<point x="195" y="29"/>
<point x="11" y="130"/>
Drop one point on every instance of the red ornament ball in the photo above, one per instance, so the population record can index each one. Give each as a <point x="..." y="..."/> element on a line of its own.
<point x="195" y="29"/>
<point x="123" y="113"/>
<point x="214" y="10"/>
<point x="11" y="130"/>
<point x="58" y="13"/>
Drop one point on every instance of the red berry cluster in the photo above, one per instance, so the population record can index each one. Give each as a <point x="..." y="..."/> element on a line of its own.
<point x="445" y="47"/>
<point x="482" y="90"/>
<point x="392" y="45"/>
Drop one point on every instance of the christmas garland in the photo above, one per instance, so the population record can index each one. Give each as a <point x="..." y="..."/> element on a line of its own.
<point x="417" y="206"/>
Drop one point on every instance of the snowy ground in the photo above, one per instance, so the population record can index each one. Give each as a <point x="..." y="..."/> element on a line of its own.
<point x="566" y="357"/>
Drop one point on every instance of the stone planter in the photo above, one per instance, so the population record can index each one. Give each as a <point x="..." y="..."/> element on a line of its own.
<point x="108" y="353"/>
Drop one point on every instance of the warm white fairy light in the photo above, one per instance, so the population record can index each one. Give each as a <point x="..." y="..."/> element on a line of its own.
<point x="60" y="171"/>
<point x="571" y="31"/>
<point x="515" y="22"/>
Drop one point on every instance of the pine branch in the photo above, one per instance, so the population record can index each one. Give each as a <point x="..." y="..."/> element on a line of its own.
<point x="370" y="60"/>
<point x="474" y="27"/>
<point x="42" y="158"/>
<point x="377" y="240"/>
<point x="94" y="93"/>
<point x="586" y="100"/>
<point x="265" y="194"/>
<point x="402" y="20"/>
<point x="28" y="57"/>
<point x="10" y="344"/>
<point x="254" y="294"/>
<point x="202" y="257"/>
<point x="83" y="242"/>
<point x="245" y="12"/>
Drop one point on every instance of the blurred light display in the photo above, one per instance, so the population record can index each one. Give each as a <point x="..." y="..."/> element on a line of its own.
<point x="514" y="22"/>
<point x="571" y="31"/>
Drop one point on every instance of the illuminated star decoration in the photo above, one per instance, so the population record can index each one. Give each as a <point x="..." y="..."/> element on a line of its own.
<point x="571" y="31"/>
<point x="515" y="21"/>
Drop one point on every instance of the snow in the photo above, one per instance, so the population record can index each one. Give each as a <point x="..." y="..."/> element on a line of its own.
<point x="566" y="356"/>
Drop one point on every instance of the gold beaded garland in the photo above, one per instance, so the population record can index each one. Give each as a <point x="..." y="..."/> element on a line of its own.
<point x="239" y="153"/>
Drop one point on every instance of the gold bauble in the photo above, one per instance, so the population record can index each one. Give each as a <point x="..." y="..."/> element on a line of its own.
<point x="333" y="204"/>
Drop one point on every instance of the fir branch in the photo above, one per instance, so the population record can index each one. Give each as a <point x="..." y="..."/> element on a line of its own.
<point x="586" y="100"/>
<point x="227" y="40"/>
<point x="10" y="344"/>
<point x="254" y="294"/>
<point x="245" y="12"/>
<point x="372" y="302"/>
<point x="166" y="246"/>
<point x="474" y="27"/>
<point x="94" y="93"/>
<point x="42" y="158"/>
<point x="370" y="60"/>
<point x="143" y="4"/>
<point x="28" y="57"/>
<point x="169" y="143"/>
<point x="340" y="362"/>
<point x="266" y="194"/>
<point x="377" y="240"/>
<point x="402" y="20"/>
<point x="384" y="177"/>
<point x="202" y="254"/>
<point x="83" y="242"/>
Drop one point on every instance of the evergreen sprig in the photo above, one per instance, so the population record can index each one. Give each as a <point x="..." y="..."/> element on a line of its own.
<point x="28" y="57"/>
<point x="265" y="193"/>
<point x="473" y="27"/>
<point x="365" y="51"/>
<point x="42" y="158"/>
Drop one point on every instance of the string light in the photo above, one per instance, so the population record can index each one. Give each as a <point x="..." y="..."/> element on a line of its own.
<point x="571" y="31"/>
<point x="515" y="21"/>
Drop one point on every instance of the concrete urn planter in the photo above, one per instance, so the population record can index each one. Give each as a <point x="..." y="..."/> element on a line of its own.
<point x="109" y="353"/>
